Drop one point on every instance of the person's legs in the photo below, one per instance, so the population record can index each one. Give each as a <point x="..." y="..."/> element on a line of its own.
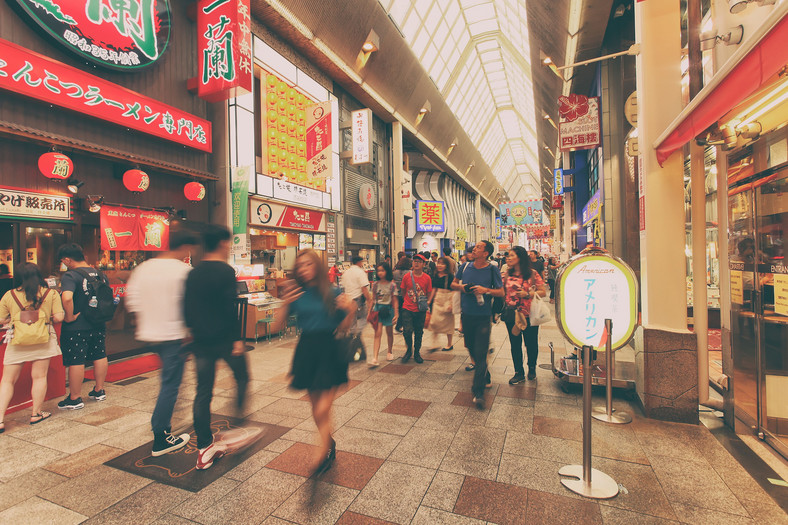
<point x="407" y="333"/>
<point x="171" y="374"/>
<point x="95" y="349"/>
<point x="531" y="335"/>
<point x="38" y="371"/>
<point x="419" y="319"/>
<point x="376" y="344"/>
<point x="390" y="337"/>
<point x="322" y="401"/>
<point x="479" y="345"/>
<point x="76" y="374"/>
<point x="401" y="301"/>
<point x="449" y="338"/>
<point x="206" y="373"/>
<point x="10" y="375"/>
<point x="516" y="345"/>
<point x="100" y="368"/>
<point x="238" y="365"/>
<point x="551" y="283"/>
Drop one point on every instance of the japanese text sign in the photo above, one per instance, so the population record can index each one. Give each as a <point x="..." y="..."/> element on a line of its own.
<point x="498" y="231"/>
<point x="270" y="213"/>
<point x="20" y="203"/>
<point x="361" y="121"/>
<point x="318" y="141"/>
<point x="520" y="213"/>
<point x="592" y="287"/>
<point x="224" y="48"/>
<point x="429" y="216"/>
<point x="131" y="229"/>
<point x="579" y="125"/>
<point x="33" y="75"/>
<point x="592" y="208"/>
<point x="558" y="181"/>
<point x="124" y="35"/>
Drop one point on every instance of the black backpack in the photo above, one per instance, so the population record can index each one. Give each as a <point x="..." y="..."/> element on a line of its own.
<point x="102" y="310"/>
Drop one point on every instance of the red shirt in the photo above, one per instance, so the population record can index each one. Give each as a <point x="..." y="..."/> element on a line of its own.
<point x="413" y="286"/>
<point x="512" y="285"/>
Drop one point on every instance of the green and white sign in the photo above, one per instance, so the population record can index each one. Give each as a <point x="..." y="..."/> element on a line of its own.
<point x="592" y="287"/>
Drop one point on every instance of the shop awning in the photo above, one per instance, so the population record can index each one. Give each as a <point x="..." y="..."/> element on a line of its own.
<point x="748" y="69"/>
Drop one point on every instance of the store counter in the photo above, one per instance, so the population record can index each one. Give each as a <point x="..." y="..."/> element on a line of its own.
<point x="56" y="379"/>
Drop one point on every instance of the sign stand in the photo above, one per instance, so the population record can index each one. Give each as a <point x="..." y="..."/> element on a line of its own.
<point x="606" y="413"/>
<point x="582" y="479"/>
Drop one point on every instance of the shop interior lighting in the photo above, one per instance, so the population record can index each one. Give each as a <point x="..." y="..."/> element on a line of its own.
<point x="451" y="147"/>
<point x="372" y="42"/>
<point x="733" y="37"/>
<point x="549" y="119"/>
<point x="468" y="170"/>
<point x="73" y="185"/>
<point x="737" y="6"/>
<point x="94" y="203"/>
<point x="750" y="131"/>
<point x="425" y="108"/>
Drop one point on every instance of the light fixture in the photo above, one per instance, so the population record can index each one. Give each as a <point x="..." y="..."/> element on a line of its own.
<point x="451" y="147"/>
<point x="467" y="171"/>
<point x="575" y="227"/>
<point x="94" y="203"/>
<point x="371" y="43"/>
<point x="549" y="119"/>
<point x="425" y="108"/>
<point x="73" y="185"/>
<point x="711" y="38"/>
<point x="737" y="6"/>
<point x="751" y="130"/>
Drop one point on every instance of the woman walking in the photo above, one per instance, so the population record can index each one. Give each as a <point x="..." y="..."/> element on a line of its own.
<point x="384" y="303"/>
<point x="31" y="303"/>
<point x="442" y="301"/>
<point x="403" y="266"/>
<point x="318" y="366"/>
<point x="552" y="274"/>
<point x="521" y="285"/>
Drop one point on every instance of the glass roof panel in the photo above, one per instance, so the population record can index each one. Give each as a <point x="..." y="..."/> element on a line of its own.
<point x="477" y="53"/>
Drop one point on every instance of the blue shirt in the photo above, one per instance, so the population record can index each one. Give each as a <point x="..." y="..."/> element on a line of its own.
<point x="488" y="277"/>
<point x="311" y="312"/>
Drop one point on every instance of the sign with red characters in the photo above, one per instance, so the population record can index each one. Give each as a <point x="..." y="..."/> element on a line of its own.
<point x="579" y="124"/>
<point x="318" y="141"/>
<point x="126" y="35"/>
<point x="269" y="213"/>
<point x="224" y="47"/>
<point x="132" y="229"/>
<point x="31" y="74"/>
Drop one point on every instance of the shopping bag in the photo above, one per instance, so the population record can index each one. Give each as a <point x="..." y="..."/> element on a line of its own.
<point x="540" y="312"/>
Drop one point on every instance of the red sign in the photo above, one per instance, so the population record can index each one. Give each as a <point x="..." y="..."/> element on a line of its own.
<point x="301" y="219"/>
<point x="224" y="47"/>
<point x="318" y="141"/>
<point x="558" y="202"/>
<point x="579" y="124"/>
<point x="31" y="74"/>
<point x="55" y="165"/>
<point x="538" y="232"/>
<point x="132" y="229"/>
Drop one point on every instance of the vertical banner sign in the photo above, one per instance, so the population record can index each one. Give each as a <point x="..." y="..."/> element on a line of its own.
<point x="406" y="192"/>
<point x="224" y="48"/>
<point x="362" y="141"/>
<point x="579" y="124"/>
<point x="642" y="194"/>
<point x="521" y="213"/>
<point x="558" y="181"/>
<point x="498" y="232"/>
<point x="240" y="189"/>
<point x="429" y="216"/>
<point x="318" y="141"/>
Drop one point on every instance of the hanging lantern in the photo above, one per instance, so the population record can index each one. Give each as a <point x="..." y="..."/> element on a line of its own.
<point x="55" y="166"/>
<point x="194" y="191"/>
<point x="136" y="180"/>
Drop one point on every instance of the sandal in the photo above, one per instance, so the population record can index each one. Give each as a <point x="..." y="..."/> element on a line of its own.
<point x="39" y="417"/>
<point x="448" y="349"/>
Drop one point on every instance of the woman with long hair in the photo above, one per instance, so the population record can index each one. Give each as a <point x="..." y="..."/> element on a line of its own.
<point x="403" y="266"/>
<point x="442" y="299"/>
<point x="318" y="366"/>
<point x="521" y="284"/>
<point x="384" y="302"/>
<point x="30" y="293"/>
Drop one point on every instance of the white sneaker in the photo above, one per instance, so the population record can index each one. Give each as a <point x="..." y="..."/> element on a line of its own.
<point x="207" y="455"/>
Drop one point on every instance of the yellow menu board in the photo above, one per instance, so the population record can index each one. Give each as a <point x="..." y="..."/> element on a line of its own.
<point x="780" y="294"/>
<point x="737" y="287"/>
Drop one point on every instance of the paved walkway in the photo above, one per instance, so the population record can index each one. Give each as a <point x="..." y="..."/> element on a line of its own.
<point x="412" y="450"/>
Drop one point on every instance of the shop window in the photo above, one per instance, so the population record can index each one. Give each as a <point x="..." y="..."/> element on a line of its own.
<point x="41" y="245"/>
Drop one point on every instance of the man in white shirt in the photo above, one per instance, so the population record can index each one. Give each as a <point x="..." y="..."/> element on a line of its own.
<point x="154" y="293"/>
<point x="356" y="285"/>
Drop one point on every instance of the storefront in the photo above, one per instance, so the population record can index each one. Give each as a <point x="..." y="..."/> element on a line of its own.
<point x="97" y="146"/>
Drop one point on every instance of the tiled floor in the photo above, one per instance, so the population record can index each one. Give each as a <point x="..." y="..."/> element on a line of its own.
<point x="411" y="449"/>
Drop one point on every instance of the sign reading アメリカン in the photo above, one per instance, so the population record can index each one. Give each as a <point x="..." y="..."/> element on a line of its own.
<point x="592" y="287"/>
<point x="125" y="35"/>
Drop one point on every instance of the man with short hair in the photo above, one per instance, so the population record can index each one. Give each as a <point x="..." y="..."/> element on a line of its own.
<point x="415" y="284"/>
<point x="447" y="254"/>
<point x="80" y="340"/>
<point x="478" y="281"/>
<point x="154" y="293"/>
<point x="211" y="315"/>
<point x="356" y="285"/>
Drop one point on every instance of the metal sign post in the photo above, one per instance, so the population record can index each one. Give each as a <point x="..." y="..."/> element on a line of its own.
<point x="606" y="413"/>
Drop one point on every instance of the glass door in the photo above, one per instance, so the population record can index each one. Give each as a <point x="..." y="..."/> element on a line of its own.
<point x="771" y="204"/>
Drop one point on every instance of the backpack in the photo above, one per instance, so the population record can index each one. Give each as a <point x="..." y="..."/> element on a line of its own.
<point x="31" y="328"/>
<point x="99" y="306"/>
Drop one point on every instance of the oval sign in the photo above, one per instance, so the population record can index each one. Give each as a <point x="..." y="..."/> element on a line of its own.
<point x="125" y="35"/>
<point x="55" y="166"/>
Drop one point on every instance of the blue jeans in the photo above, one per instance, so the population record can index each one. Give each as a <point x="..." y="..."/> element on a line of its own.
<point x="171" y="375"/>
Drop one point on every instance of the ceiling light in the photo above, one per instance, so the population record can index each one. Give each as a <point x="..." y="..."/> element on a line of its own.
<point x="74" y="185"/>
<point x="425" y="108"/>
<point x="711" y="38"/>
<point x="575" y="226"/>
<point x="371" y="43"/>
<point x="94" y="203"/>
<point x="451" y="147"/>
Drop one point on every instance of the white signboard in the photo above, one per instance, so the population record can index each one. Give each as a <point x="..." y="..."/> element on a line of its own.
<point x="240" y="248"/>
<point x="593" y="287"/>
<point x="406" y="190"/>
<point x="362" y="138"/>
<point x="366" y="196"/>
<point x="579" y="125"/>
<point x="19" y="203"/>
<point x="298" y="194"/>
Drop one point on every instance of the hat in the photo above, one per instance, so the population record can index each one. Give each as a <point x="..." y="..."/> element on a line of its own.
<point x="419" y="257"/>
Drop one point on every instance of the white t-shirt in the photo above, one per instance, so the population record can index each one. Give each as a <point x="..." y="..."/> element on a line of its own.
<point x="155" y="293"/>
<point x="354" y="280"/>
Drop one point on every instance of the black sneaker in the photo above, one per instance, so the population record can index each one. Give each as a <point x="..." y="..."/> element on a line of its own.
<point x="101" y="395"/>
<point x="518" y="378"/>
<point x="479" y="402"/>
<point x="168" y="443"/>
<point x="406" y="357"/>
<point x="531" y="374"/>
<point x="71" y="404"/>
<point x="417" y="358"/>
<point x="470" y="367"/>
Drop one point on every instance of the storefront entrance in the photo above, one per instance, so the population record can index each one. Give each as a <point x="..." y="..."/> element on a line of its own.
<point x="37" y="242"/>
<point x="758" y="215"/>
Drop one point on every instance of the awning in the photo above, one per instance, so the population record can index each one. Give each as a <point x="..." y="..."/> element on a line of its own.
<point x="757" y="61"/>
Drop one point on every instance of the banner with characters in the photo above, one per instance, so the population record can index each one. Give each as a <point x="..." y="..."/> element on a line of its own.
<point x="521" y="213"/>
<point x="132" y="229"/>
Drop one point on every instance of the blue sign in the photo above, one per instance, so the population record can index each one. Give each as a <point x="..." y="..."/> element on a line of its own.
<point x="558" y="181"/>
<point x="593" y="207"/>
<point x="430" y="216"/>
<point x="498" y="232"/>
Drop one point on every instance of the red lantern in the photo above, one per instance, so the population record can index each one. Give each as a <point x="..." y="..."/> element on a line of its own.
<point x="55" y="166"/>
<point x="194" y="191"/>
<point x="136" y="180"/>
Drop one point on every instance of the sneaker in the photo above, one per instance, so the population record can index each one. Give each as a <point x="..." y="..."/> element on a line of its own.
<point x="470" y="367"/>
<point x="208" y="455"/>
<point x="71" y="404"/>
<point x="531" y="374"/>
<point x="169" y="443"/>
<point x="518" y="378"/>
<point x="406" y="357"/>
<point x="101" y="395"/>
<point x="479" y="402"/>
<point x="417" y="358"/>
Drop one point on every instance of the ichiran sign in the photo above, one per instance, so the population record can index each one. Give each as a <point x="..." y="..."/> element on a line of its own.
<point x="117" y="34"/>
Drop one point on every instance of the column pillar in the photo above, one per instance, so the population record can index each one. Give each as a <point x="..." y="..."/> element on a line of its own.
<point x="398" y="219"/>
<point x="477" y="211"/>
<point x="666" y="358"/>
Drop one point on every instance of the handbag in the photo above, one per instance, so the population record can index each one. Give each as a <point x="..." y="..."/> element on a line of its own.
<point x="540" y="312"/>
<point x="507" y="316"/>
<point x="373" y="318"/>
<point x="421" y="298"/>
<point x="348" y="346"/>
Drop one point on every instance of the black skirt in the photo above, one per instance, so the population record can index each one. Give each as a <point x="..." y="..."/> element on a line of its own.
<point x="317" y="363"/>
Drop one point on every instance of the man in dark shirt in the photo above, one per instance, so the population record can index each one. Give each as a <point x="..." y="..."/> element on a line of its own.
<point x="80" y="340"/>
<point x="210" y="313"/>
<point x="537" y="262"/>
